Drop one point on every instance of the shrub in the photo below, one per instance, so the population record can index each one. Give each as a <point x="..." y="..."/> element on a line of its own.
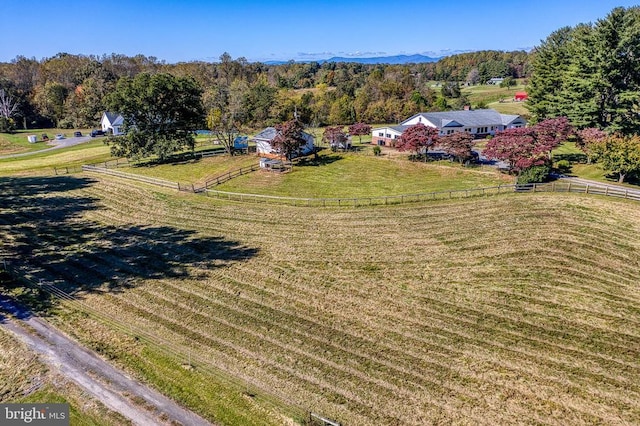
<point x="563" y="166"/>
<point x="377" y="150"/>
<point x="534" y="174"/>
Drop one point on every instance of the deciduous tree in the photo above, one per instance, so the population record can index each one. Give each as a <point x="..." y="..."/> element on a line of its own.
<point x="517" y="148"/>
<point x="619" y="154"/>
<point x="335" y="137"/>
<point x="459" y="145"/>
<point x="359" y="130"/>
<point x="418" y="138"/>
<point x="588" y="138"/>
<point x="289" y="137"/>
<point x="226" y="117"/>
<point x="161" y="113"/>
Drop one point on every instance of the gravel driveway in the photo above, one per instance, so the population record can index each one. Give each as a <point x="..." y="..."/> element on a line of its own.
<point x="92" y="373"/>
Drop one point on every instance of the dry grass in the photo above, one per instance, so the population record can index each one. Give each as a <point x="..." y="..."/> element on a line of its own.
<point x="24" y="378"/>
<point x="511" y="309"/>
<point x="20" y="369"/>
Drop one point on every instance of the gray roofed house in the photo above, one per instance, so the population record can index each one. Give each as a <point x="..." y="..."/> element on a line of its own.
<point x="111" y="123"/>
<point x="480" y="123"/>
<point x="264" y="148"/>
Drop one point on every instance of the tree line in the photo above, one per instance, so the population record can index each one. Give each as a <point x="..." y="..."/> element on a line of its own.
<point x="71" y="91"/>
<point x="590" y="74"/>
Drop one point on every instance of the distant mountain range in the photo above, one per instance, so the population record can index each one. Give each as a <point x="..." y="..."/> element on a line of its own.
<point x="393" y="60"/>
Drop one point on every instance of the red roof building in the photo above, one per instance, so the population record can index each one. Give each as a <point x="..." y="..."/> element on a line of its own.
<point x="520" y="96"/>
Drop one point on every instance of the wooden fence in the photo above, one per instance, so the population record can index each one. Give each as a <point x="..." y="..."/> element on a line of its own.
<point x="558" y="186"/>
<point x="218" y="180"/>
<point x="130" y="176"/>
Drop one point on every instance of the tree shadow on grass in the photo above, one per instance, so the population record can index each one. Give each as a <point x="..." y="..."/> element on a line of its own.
<point x="321" y="160"/>
<point x="45" y="232"/>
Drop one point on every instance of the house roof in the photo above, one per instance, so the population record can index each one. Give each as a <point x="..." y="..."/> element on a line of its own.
<point x="112" y="117"/>
<point x="398" y="129"/>
<point x="270" y="132"/>
<point x="473" y="118"/>
<point x="508" y="119"/>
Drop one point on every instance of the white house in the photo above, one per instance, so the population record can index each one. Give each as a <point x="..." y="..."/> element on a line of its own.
<point x="264" y="148"/>
<point x="480" y="123"/>
<point x="111" y="123"/>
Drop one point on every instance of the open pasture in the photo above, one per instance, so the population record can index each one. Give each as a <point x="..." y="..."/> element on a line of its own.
<point x="520" y="308"/>
<point x="336" y="174"/>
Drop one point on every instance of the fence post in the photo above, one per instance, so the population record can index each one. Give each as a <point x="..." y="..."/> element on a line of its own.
<point x="606" y="190"/>
<point x="586" y="189"/>
<point x="553" y="187"/>
<point x="626" y="193"/>
<point x="569" y="188"/>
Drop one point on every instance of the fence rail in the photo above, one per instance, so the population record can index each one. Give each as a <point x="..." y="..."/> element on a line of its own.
<point x="29" y="276"/>
<point x="145" y="179"/>
<point x="559" y="186"/>
<point x="225" y="177"/>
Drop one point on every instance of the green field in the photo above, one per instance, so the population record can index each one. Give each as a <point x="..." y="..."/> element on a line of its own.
<point x="332" y="175"/>
<point x="14" y="143"/>
<point x="44" y="163"/>
<point x="520" y="308"/>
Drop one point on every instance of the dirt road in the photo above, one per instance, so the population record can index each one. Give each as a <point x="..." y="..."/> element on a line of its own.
<point x="92" y="373"/>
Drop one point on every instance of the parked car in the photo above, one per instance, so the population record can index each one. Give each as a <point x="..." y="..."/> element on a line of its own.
<point x="95" y="133"/>
<point x="77" y="134"/>
<point x="59" y="136"/>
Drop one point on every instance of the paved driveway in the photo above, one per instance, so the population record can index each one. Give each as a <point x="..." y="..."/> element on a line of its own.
<point x="64" y="143"/>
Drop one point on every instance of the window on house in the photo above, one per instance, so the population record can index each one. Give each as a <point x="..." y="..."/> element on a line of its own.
<point x="381" y="134"/>
<point x="388" y="135"/>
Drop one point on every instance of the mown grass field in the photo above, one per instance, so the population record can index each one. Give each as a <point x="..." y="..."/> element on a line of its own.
<point x="333" y="175"/>
<point x="520" y="308"/>
<point x="44" y="163"/>
<point x="21" y="370"/>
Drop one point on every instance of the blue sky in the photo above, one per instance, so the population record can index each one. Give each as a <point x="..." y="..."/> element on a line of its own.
<point x="190" y="30"/>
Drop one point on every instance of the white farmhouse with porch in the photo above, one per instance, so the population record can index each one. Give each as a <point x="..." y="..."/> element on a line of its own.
<point x="265" y="149"/>
<point x="479" y="123"/>
<point x="111" y="123"/>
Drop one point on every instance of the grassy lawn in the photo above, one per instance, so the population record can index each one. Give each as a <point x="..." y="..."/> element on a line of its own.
<point x="195" y="171"/>
<point x="509" y="107"/>
<point x="15" y="143"/>
<point x="359" y="175"/>
<point x="519" y="308"/>
<point x="489" y="93"/>
<point x="44" y="163"/>
<point x="579" y="167"/>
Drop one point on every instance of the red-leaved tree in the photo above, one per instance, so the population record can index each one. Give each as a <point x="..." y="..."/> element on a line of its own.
<point x="459" y="145"/>
<point x="588" y="138"/>
<point x="359" y="129"/>
<point x="517" y="148"/>
<point x="523" y="148"/>
<point x="550" y="133"/>
<point x="418" y="138"/>
<point x="335" y="137"/>
<point x="289" y="137"/>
